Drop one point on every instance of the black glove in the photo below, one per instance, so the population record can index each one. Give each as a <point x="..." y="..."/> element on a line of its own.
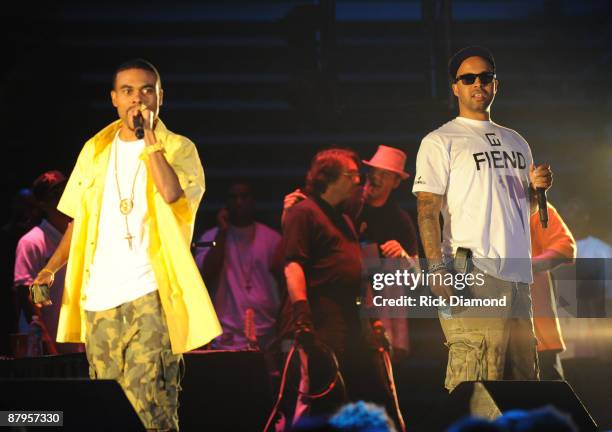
<point x="379" y="337"/>
<point x="304" y="329"/>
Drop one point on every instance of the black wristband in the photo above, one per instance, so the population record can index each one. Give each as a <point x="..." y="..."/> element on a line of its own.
<point x="303" y="327"/>
<point x="301" y="311"/>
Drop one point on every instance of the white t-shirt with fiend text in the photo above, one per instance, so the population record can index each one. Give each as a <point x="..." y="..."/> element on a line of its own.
<point x="482" y="170"/>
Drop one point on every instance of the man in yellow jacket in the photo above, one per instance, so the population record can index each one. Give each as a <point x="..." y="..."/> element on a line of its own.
<point x="133" y="293"/>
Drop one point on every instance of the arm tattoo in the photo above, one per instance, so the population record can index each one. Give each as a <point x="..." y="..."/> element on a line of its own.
<point x="428" y="210"/>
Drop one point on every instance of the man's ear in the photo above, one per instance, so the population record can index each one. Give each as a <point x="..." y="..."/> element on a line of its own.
<point x="455" y="91"/>
<point x="397" y="181"/>
<point x="113" y="95"/>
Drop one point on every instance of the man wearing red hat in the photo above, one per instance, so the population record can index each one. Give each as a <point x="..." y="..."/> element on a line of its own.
<point x="381" y="221"/>
<point x="480" y="176"/>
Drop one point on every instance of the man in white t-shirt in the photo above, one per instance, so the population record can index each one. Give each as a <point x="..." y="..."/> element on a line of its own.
<point x="241" y="272"/>
<point x="480" y="176"/>
<point x="587" y="285"/>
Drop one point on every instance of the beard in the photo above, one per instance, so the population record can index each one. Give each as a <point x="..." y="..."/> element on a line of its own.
<point x="480" y="105"/>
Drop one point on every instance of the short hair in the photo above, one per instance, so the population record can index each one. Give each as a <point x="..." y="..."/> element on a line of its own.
<point x="49" y="185"/>
<point x="326" y="167"/>
<point x="471" y="51"/>
<point x="241" y="181"/>
<point x="137" y="63"/>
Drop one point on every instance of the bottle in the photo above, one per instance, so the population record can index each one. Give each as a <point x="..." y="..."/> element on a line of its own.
<point x="249" y="329"/>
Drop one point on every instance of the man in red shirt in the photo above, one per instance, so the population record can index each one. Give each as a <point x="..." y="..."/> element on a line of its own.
<point x="550" y="247"/>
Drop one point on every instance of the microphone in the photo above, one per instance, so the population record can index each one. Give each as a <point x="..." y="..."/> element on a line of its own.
<point x="138" y="126"/>
<point x="380" y="337"/>
<point x="543" y="205"/>
<point x="204" y="244"/>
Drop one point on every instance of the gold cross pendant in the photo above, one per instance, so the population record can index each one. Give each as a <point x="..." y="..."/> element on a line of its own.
<point x="129" y="238"/>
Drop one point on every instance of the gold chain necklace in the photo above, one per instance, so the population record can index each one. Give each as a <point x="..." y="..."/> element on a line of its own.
<point x="125" y="204"/>
<point x="247" y="271"/>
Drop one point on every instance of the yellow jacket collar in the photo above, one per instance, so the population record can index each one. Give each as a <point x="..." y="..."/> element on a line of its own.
<point x="106" y="136"/>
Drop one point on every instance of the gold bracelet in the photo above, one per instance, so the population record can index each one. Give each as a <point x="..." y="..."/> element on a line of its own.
<point x="51" y="272"/>
<point x="154" y="148"/>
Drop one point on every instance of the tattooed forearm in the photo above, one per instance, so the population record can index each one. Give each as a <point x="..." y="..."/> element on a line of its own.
<point x="428" y="209"/>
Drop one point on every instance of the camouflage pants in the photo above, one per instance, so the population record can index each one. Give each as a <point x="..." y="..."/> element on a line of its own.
<point x="130" y="344"/>
<point x="486" y="343"/>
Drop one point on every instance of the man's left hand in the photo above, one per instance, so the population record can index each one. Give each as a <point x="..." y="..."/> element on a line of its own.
<point x="392" y="249"/>
<point x="540" y="176"/>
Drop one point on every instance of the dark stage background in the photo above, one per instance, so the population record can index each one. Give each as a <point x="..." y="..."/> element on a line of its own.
<point x="261" y="86"/>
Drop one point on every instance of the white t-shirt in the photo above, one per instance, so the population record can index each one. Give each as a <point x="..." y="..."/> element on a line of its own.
<point x="119" y="274"/>
<point x="245" y="282"/>
<point x="592" y="247"/>
<point x="482" y="169"/>
<point x="586" y="337"/>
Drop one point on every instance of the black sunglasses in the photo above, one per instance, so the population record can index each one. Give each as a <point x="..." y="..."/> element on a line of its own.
<point x="470" y="78"/>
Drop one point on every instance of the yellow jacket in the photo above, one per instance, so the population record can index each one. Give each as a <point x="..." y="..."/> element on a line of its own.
<point x="190" y="316"/>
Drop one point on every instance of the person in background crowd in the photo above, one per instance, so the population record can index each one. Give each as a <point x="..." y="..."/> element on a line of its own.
<point x="24" y="214"/>
<point x="241" y="272"/>
<point x="550" y="247"/>
<point x="587" y="285"/>
<point x="323" y="273"/>
<point x="34" y="251"/>
<point x="381" y="222"/>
